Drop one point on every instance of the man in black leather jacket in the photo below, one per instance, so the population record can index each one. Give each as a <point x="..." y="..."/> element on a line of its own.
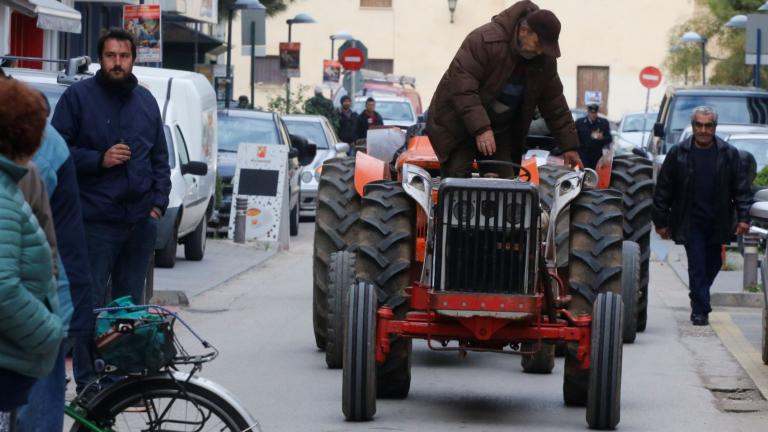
<point x="702" y="199"/>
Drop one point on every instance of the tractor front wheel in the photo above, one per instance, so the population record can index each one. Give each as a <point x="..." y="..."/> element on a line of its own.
<point x="341" y="275"/>
<point x="604" y="402"/>
<point x="630" y="288"/>
<point x="358" y="392"/>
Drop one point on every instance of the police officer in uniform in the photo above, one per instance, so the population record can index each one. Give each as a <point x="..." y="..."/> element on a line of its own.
<point x="594" y="136"/>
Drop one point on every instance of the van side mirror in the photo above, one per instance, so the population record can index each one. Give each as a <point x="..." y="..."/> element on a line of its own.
<point x="195" y="168"/>
<point x="342" y="147"/>
<point x="658" y="130"/>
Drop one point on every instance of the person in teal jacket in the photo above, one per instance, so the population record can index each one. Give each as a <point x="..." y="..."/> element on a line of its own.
<point x="30" y="328"/>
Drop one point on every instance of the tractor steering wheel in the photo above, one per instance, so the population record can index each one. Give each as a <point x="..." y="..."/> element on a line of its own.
<point x="523" y="172"/>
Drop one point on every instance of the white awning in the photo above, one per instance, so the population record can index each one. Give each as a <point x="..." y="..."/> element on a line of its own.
<point x="50" y="14"/>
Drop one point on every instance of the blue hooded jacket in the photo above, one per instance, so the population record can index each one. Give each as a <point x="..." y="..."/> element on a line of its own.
<point x="92" y="116"/>
<point x="57" y="170"/>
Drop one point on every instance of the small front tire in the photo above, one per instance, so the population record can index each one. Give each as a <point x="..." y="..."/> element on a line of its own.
<point x="604" y="400"/>
<point x="358" y="400"/>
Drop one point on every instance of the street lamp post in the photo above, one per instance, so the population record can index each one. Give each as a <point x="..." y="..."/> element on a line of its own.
<point x="452" y="8"/>
<point x="693" y="37"/>
<point x="301" y="18"/>
<point x="341" y="35"/>
<point x="239" y="5"/>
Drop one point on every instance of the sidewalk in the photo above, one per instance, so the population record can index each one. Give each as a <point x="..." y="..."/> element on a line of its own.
<point x="223" y="261"/>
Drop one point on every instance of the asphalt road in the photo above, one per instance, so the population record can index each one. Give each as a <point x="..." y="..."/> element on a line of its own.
<point x="676" y="377"/>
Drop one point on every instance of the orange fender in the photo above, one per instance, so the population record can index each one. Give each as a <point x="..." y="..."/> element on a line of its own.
<point x="603" y="169"/>
<point x="530" y="165"/>
<point x="368" y="169"/>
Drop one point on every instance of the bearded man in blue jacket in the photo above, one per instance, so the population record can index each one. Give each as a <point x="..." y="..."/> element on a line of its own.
<point x="114" y="131"/>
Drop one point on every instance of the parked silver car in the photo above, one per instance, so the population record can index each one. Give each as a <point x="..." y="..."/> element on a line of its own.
<point x="317" y="130"/>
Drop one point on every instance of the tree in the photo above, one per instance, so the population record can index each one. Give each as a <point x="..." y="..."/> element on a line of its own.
<point x="730" y="68"/>
<point x="273" y="6"/>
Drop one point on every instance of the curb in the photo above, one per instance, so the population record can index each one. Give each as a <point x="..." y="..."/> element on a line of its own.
<point x="170" y="298"/>
<point x="745" y="299"/>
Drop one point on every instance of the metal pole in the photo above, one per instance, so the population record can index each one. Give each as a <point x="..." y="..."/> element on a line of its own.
<point x="253" y="55"/>
<point x="241" y="204"/>
<point x="703" y="63"/>
<point x="759" y="54"/>
<point x="288" y="79"/>
<point x="645" y="116"/>
<point x="229" y="61"/>
<point x="750" y="261"/>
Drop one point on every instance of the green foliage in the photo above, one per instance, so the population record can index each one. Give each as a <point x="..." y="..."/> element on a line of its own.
<point x="762" y="177"/>
<point x="730" y="68"/>
<point x="298" y="98"/>
<point x="273" y="6"/>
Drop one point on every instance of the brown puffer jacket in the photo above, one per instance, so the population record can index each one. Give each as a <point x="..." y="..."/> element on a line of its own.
<point x="474" y="80"/>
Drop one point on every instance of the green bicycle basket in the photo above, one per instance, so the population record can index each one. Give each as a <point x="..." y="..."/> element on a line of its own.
<point x="133" y="340"/>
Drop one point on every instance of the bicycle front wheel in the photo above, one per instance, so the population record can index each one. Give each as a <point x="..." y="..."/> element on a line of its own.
<point x="161" y="403"/>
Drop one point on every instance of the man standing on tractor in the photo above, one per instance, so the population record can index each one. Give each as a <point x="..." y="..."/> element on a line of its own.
<point x="484" y="104"/>
<point x="594" y="136"/>
<point x="702" y="199"/>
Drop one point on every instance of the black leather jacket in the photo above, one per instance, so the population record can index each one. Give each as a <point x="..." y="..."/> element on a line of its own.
<point x="672" y="200"/>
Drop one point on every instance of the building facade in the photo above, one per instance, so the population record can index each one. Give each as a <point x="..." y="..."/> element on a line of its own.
<point x="604" y="43"/>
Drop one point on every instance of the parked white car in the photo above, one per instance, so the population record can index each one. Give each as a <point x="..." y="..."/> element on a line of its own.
<point x="317" y="130"/>
<point x="634" y="130"/>
<point x="394" y="110"/>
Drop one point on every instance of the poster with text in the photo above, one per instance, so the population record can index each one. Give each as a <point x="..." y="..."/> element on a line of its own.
<point x="331" y="71"/>
<point x="289" y="58"/>
<point x="143" y="22"/>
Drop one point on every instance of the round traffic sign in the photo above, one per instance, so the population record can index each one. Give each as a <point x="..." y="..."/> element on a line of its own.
<point x="650" y="77"/>
<point x="352" y="59"/>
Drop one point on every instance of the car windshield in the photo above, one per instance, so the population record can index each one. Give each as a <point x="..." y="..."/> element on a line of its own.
<point x="758" y="148"/>
<point x="235" y="130"/>
<point x="312" y="131"/>
<point x="634" y="122"/>
<point x="730" y="109"/>
<point x="389" y="110"/>
<point x="52" y="91"/>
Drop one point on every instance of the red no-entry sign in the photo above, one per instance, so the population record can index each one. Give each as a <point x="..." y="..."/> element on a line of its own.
<point x="352" y="59"/>
<point x="650" y="77"/>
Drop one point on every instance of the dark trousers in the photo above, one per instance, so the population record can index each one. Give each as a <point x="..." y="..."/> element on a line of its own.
<point x="118" y="252"/>
<point x="459" y="162"/>
<point x="590" y="157"/>
<point x="704" y="262"/>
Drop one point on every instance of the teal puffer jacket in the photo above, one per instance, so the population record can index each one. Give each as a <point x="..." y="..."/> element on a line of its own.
<point x="30" y="329"/>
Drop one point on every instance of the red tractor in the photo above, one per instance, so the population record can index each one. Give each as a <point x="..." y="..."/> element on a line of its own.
<point x="510" y="265"/>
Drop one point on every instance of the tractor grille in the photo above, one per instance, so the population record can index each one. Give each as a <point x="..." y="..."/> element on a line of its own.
<point x="487" y="236"/>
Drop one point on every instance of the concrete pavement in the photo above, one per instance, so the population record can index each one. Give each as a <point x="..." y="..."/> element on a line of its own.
<point x="676" y="377"/>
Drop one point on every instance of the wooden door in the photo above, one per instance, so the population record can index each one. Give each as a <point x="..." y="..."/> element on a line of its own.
<point x="592" y="79"/>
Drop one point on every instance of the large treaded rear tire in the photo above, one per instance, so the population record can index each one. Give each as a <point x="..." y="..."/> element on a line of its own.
<point x="604" y="401"/>
<point x="594" y="267"/>
<point x="542" y="362"/>
<point x="633" y="176"/>
<point x="358" y="391"/>
<point x="338" y="212"/>
<point x="384" y="256"/>
<point x="548" y="176"/>
<point x="341" y="275"/>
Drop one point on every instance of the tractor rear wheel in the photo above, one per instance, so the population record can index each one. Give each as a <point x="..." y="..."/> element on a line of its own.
<point x="341" y="275"/>
<point x="358" y="391"/>
<point x="604" y="402"/>
<point x="630" y="288"/>
<point x="594" y="267"/>
<point x="765" y="334"/>
<point x="384" y="256"/>
<point x="632" y="175"/>
<point x="541" y="362"/>
<point x="338" y="212"/>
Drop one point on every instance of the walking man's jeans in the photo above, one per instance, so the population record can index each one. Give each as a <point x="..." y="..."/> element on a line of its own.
<point x="119" y="252"/>
<point x="704" y="262"/>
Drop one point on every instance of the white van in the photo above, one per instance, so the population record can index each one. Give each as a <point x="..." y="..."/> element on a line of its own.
<point x="187" y="103"/>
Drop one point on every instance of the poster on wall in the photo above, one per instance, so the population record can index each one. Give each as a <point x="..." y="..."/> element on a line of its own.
<point x="593" y="97"/>
<point x="206" y="8"/>
<point x="143" y="22"/>
<point x="289" y="58"/>
<point x="331" y="71"/>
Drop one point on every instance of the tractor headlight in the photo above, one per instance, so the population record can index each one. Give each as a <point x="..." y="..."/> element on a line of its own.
<point x="306" y="177"/>
<point x="463" y="210"/>
<point x="590" y="179"/>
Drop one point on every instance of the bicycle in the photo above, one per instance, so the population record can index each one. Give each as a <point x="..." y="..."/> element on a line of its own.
<point x="167" y="399"/>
